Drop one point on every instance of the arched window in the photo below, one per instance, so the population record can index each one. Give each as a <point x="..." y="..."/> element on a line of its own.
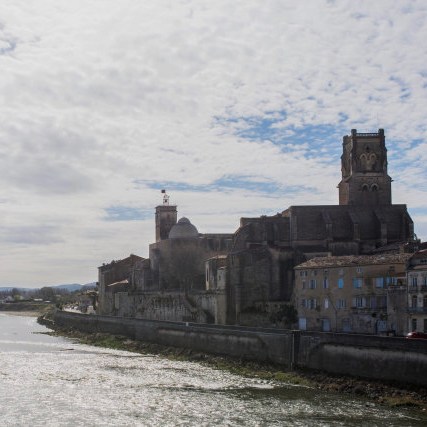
<point x="365" y="194"/>
<point x="374" y="194"/>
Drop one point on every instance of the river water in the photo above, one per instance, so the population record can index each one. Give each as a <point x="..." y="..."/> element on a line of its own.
<point x="53" y="381"/>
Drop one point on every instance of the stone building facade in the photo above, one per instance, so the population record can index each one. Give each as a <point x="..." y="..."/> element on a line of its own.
<point x="266" y="249"/>
<point x="417" y="292"/>
<point x="114" y="278"/>
<point x="248" y="277"/>
<point x="171" y="283"/>
<point x="356" y="293"/>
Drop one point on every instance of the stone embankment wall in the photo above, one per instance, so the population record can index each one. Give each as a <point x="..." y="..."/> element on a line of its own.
<point x="371" y="356"/>
<point x="196" y="306"/>
<point x="375" y="357"/>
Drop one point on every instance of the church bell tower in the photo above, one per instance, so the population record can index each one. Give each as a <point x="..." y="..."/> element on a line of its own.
<point x="365" y="181"/>
<point x="166" y="216"/>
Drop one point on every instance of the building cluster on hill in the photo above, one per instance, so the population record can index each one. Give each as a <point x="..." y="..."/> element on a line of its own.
<point x="354" y="267"/>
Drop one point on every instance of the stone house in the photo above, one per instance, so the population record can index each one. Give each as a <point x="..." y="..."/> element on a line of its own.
<point x="356" y="293"/>
<point x="114" y="278"/>
<point x="417" y="292"/>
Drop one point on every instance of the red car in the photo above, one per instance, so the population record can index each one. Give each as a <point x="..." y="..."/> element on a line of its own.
<point x="417" y="335"/>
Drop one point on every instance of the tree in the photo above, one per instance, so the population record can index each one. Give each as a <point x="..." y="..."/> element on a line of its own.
<point x="47" y="293"/>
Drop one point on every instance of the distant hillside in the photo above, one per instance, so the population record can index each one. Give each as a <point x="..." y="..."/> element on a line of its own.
<point x="70" y="288"/>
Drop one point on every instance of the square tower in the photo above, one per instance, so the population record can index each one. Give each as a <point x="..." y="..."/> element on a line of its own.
<point x="166" y="216"/>
<point x="365" y="181"/>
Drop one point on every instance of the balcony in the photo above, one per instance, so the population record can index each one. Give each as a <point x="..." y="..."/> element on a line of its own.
<point x="413" y="289"/>
<point x="417" y="310"/>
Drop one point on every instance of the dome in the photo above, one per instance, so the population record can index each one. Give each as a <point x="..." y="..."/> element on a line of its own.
<point x="183" y="229"/>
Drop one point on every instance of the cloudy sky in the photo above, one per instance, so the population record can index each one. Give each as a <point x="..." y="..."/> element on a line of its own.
<point x="237" y="108"/>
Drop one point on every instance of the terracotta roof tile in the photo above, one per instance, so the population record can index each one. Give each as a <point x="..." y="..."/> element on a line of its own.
<point x="352" y="260"/>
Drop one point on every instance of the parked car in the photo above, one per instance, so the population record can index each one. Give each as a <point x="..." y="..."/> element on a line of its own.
<point x="417" y="335"/>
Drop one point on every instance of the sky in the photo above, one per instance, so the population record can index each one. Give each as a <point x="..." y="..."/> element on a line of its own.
<point x="236" y="108"/>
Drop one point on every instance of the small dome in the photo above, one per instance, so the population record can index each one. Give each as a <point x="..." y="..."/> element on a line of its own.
<point x="183" y="229"/>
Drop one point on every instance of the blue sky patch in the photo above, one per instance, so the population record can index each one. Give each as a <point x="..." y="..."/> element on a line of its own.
<point x="126" y="213"/>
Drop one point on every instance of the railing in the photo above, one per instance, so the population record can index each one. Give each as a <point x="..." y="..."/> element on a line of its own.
<point x="367" y="134"/>
<point x="420" y="310"/>
<point x="413" y="289"/>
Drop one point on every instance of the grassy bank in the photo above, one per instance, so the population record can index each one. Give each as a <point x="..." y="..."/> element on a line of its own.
<point x="36" y="308"/>
<point x="389" y="394"/>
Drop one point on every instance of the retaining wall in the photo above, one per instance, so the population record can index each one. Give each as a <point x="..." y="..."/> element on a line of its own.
<point x="385" y="358"/>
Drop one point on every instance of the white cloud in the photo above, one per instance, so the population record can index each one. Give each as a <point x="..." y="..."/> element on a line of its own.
<point x="97" y="96"/>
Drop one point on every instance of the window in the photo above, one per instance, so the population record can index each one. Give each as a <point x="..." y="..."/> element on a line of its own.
<point x="304" y="284"/>
<point x="358" y="282"/>
<point x="359" y="270"/>
<point x="308" y="303"/>
<point x="359" y="302"/>
<point x="326" y="303"/>
<point x="313" y="272"/>
<point x="414" y="324"/>
<point x="425" y="301"/>
<point x="425" y="280"/>
<point x="340" y="303"/>
<point x="340" y="271"/>
<point x="313" y="284"/>
<point x="303" y="273"/>
<point x="414" y="302"/>
<point x="379" y="282"/>
<point x="425" y="325"/>
<point x="414" y="281"/>
<point x="326" y="272"/>
<point x="392" y="268"/>
<point x="340" y="282"/>
<point x="391" y="281"/>
<point x="325" y="283"/>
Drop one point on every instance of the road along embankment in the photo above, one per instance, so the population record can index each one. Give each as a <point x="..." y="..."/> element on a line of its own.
<point x="381" y="358"/>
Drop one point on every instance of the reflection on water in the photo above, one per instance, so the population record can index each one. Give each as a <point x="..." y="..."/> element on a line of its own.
<point x="50" y="381"/>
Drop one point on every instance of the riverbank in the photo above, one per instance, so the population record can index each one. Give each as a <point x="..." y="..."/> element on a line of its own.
<point x="389" y="394"/>
<point x="26" y="308"/>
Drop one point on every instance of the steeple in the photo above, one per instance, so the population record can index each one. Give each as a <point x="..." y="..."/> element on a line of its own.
<point x="365" y="181"/>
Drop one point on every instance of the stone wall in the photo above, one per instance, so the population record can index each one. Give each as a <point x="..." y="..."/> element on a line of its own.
<point x="194" y="306"/>
<point x="250" y="343"/>
<point x="385" y="358"/>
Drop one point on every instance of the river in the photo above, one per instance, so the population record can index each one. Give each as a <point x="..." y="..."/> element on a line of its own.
<point x="53" y="381"/>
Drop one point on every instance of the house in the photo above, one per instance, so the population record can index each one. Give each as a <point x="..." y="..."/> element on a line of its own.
<point x="357" y="293"/>
<point x="417" y="292"/>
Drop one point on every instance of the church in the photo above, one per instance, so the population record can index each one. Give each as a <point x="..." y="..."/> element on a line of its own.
<point x="248" y="277"/>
